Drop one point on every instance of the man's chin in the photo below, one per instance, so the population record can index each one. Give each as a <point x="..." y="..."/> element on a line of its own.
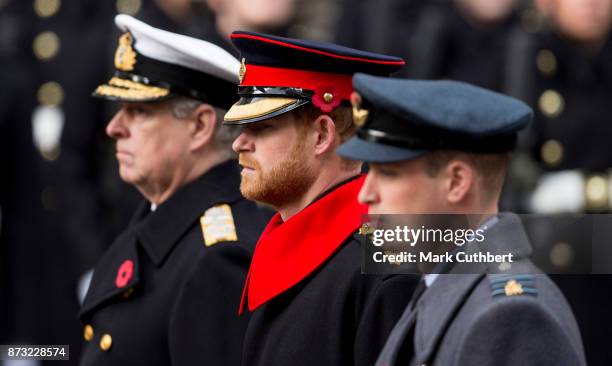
<point x="247" y="189"/>
<point x="372" y="210"/>
<point x="128" y="176"/>
<point x="252" y="189"/>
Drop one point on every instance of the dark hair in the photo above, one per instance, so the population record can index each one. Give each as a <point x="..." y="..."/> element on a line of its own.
<point x="491" y="168"/>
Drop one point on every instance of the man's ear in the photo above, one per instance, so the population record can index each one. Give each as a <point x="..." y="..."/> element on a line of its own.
<point x="203" y="127"/>
<point x="459" y="180"/>
<point x="325" y="130"/>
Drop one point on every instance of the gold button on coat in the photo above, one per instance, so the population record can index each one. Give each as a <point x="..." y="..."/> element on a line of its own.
<point x="597" y="192"/>
<point x="88" y="333"/>
<point x="46" y="8"/>
<point x="546" y="62"/>
<point x="50" y="93"/>
<point x="130" y="7"/>
<point x="46" y="45"/>
<point x="106" y="342"/>
<point x="552" y="152"/>
<point x="551" y="103"/>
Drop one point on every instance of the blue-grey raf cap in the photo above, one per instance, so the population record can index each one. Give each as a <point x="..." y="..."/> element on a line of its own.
<point x="403" y="119"/>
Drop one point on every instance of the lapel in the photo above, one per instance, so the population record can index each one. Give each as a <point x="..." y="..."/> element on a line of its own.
<point x="158" y="232"/>
<point x="437" y="308"/>
<point x="105" y="284"/>
<point x="397" y="338"/>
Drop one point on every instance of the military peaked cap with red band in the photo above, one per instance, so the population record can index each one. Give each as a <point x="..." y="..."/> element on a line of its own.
<point x="280" y="74"/>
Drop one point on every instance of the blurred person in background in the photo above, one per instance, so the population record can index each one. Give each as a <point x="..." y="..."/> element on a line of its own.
<point x="461" y="39"/>
<point x="569" y="84"/>
<point x="40" y="261"/>
<point x="384" y="26"/>
<point x="20" y="221"/>
<point x="313" y="19"/>
<point x="566" y="76"/>
<point x="167" y="289"/>
<point x="267" y="16"/>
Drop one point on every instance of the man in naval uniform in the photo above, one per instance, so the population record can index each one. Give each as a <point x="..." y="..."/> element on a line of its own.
<point x="310" y="304"/>
<point x="443" y="147"/>
<point x="166" y="291"/>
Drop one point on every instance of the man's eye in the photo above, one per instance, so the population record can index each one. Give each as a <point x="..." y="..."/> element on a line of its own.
<point x="136" y="110"/>
<point x="264" y="126"/>
<point x="258" y="127"/>
<point x="386" y="171"/>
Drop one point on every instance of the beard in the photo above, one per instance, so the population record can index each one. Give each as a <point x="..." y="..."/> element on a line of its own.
<point x="284" y="183"/>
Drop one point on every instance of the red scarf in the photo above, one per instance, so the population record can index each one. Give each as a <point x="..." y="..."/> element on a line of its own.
<point x="287" y="252"/>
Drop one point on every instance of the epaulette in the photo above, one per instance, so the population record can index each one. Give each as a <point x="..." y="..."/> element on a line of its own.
<point x="512" y="285"/>
<point x="218" y="225"/>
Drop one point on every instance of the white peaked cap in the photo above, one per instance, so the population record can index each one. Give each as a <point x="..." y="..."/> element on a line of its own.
<point x="152" y="65"/>
<point x="180" y="50"/>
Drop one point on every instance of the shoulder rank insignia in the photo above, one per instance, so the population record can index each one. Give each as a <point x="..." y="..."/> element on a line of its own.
<point x="218" y="225"/>
<point x="125" y="56"/>
<point x="513" y="285"/>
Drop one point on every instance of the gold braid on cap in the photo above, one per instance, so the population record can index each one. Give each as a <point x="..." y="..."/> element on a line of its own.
<point x="128" y="89"/>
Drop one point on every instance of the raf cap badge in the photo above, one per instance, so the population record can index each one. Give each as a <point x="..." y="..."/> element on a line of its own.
<point x="360" y="115"/>
<point x="125" y="56"/>
<point x="218" y="225"/>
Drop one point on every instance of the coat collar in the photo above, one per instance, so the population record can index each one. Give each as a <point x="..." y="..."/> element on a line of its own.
<point x="435" y="316"/>
<point x="159" y="231"/>
<point x="287" y="252"/>
<point x="507" y="236"/>
<point x="162" y="229"/>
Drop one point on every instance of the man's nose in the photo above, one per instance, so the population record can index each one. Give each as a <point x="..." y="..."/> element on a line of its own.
<point x="368" y="194"/>
<point x="242" y="143"/>
<point x="116" y="127"/>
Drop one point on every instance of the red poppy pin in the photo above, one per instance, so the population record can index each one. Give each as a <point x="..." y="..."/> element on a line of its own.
<point x="326" y="98"/>
<point x="124" y="274"/>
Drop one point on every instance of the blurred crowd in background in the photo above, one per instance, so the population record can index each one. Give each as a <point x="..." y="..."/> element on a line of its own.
<point x="61" y="199"/>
